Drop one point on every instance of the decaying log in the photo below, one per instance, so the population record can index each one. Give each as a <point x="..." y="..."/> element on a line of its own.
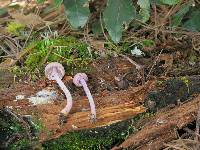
<point x="116" y="121"/>
<point x="172" y="92"/>
<point x="162" y="127"/>
<point x="187" y="71"/>
<point x="106" y="117"/>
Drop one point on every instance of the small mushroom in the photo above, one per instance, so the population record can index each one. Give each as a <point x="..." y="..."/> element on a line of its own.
<point x="79" y="80"/>
<point x="55" y="71"/>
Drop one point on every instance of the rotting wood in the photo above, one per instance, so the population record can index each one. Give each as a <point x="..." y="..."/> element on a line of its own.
<point x="106" y="117"/>
<point x="110" y="109"/>
<point x="187" y="71"/>
<point x="162" y="124"/>
<point x="156" y="142"/>
<point x="109" y="115"/>
<point x="172" y="92"/>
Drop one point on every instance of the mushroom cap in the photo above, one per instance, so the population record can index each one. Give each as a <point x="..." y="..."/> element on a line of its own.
<point x="78" y="77"/>
<point x="54" y="68"/>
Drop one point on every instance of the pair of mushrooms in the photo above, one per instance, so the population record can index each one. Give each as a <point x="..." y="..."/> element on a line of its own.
<point x="55" y="71"/>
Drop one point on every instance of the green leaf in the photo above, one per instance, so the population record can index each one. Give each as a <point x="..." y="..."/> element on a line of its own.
<point x="96" y="28"/>
<point x="145" y="4"/>
<point x="40" y="1"/>
<point x="3" y="11"/>
<point x="193" y="24"/>
<point x="170" y="2"/>
<point x="117" y="14"/>
<point x="177" y="18"/>
<point x="144" y="10"/>
<point x="57" y="3"/>
<point x="157" y="2"/>
<point x="77" y="12"/>
<point x="148" y="43"/>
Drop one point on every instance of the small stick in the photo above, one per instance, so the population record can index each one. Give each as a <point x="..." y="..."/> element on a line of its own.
<point x="154" y="63"/>
<point x="197" y="129"/>
<point x="140" y="68"/>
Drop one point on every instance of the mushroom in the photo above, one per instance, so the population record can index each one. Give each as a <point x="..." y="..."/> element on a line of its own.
<point x="79" y="80"/>
<point x="55" y="71"/>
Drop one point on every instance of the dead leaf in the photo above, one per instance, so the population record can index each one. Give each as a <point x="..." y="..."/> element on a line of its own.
<point x="7" y="63"/>
<point x="168" y="58"/>
<point x="27" y="20"/>
<point x="17" y="3"/>
<point x="196" y="43"/>
<point x="98" y="46"/>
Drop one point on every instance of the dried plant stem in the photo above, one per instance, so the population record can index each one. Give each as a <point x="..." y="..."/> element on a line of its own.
<point x="197" y="129"/>
<point x="154" y="63"/>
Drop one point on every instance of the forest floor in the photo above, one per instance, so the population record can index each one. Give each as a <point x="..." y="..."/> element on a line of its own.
<point x="168" y="74"/>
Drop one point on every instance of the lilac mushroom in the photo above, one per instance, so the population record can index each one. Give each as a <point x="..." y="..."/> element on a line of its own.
<point x="79" y="80"/>
<point x="55" y="71"/>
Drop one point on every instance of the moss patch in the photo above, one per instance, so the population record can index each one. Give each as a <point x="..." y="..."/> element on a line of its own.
<point x="98" y="138"/>
<point x="16" y="132"/>
<point x="173" y="91"/>
<point x="73" y="54"/>
<point x="14" y="28"/>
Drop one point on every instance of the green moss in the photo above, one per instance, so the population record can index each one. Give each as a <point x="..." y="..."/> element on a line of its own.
<point x="20" y="144"/>
<point x="148" y="43"/>
<point x="73" y="54"/>
<point x="160" y="83"/>
<point x="10" y="128"/>
<point x="171" y="92"/>
<point x="14" y="28"/>
<point x="98" y="138"/>
<point x="20" y="132"/>
<point x="185" y="80"/>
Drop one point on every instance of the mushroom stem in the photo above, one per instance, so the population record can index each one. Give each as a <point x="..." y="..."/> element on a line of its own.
<point x="68" y="107"/>
<point x="90" y="98"/>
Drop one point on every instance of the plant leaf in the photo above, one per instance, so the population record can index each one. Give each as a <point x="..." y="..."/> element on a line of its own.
<point x="177" y="18"/>
<point x="40" y="1"/>
<point x="144" y="10"/>
<point x="77" y="12"/>
<point x="57" y="3"/>
<point x="145" y="4"/>
<point x="117" y="14"/>
<point x="3" y="11"/>
<point x="96" y="28"/>
<point x="170" y="2"/>
<point x="193" y="24"/>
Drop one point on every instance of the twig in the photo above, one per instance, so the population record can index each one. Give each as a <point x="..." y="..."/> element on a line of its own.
<point x="172" y="146"/>
<point x="154" y="63"/>
<point x="11" y="139"/>
<point x="27" y="38"/>
<point x="140" y="68"/>
<point x="46" y="57"/>
<point x="155" y="20"/>
<point x="19" y="119"/>
<point x="197" y="129"/>
<point x="191" y="132"/>
<point x="180" y="141"/>
<point x="37" y="12"/>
